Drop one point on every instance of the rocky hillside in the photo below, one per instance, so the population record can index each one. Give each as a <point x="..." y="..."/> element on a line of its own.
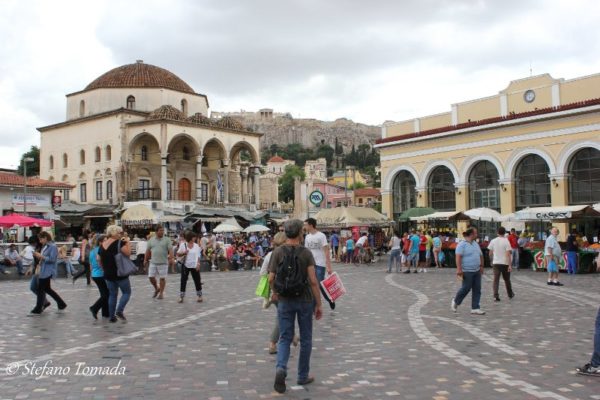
<point x="283" y="129"/>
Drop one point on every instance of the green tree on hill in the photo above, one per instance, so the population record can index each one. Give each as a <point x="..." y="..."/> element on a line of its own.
<point x="286" y="182"/>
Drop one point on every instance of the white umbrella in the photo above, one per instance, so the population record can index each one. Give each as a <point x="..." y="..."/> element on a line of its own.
<point x="229" y="225"/>
<point x="484" y="214"/>
<point x="256" y="228"/>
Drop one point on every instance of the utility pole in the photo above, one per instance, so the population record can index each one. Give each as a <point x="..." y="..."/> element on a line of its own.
<point x="25" y="161"/>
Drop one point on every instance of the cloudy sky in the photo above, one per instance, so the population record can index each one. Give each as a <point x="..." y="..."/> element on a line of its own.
<point x="369" y="61"/>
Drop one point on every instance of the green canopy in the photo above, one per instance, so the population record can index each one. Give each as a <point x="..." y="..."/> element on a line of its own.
<point x="406" y="215"/>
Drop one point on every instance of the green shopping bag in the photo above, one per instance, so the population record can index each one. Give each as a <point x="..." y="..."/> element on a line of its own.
<point x="263" y="289"/>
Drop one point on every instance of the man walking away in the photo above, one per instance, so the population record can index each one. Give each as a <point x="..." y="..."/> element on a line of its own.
<point x="572" y="247"/>
<point x="413" y="255"/>
<point x="593" y="367"/>
<point x="316" y="242"/>
<point x="469" y="267"/>
<point x="552" y="253"/>
<point x="158" y="255"/>
<point x="294" y="285"/>
<point x="501" y="254"/>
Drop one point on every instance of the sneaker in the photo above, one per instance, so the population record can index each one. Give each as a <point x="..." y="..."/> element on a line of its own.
<point x="407" y="271"/>
<point x="454" y="306"/>
<point x="60" y="308"/>
<point x="510" y="296"/>
<point x="279" y="385"/>
<point x="200" y="299"/>
<point x="550" y="283"/>
<point x="478" y="311"/>
<point x="587" y="369"/>
<point x="424" y="269"/>
<point x="94" y="313"/>
<point x="113" y="320"/>
<point x="120" y="315"/>
<point x="332" y="305"/>
<point x="306" y="381"/>
<point x="497" y="298"/>
<point x="558" y="284"/>
<point x="180" y="299"/>
<point x="415" y="271"/>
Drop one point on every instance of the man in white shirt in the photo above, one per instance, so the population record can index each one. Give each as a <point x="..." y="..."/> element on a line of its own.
<point x="501" y="256"/>
<point x="12" y="258"/>
<point x="317" y="243"/>
<point x="552" y="253"/>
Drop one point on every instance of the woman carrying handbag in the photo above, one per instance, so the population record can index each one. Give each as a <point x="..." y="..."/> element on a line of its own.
<point x="190" y="264"/>
<point x="108" y="251"/>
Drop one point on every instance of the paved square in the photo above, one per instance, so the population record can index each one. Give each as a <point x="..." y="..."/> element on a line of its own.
<point x="392" y="336"/>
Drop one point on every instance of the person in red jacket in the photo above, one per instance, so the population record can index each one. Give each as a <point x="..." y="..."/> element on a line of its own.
<point x="513" y="239"/>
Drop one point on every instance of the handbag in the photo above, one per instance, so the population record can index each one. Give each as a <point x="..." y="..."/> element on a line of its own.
<point x="333" y="286"/>
<point x="263" y="288"/>
<point x="125" y="266"/>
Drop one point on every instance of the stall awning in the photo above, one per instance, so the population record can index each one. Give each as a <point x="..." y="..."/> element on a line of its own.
<point x="138" y="215"/>
<point x="556" y="213"/>
<point x="443" y="215"/>
<point x="346" y="217"/>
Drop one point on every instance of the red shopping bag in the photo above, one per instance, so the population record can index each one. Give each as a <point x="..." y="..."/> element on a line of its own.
<point x="333" y="286"/>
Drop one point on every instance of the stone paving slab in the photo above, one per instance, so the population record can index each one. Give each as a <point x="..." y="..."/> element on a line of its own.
<point x="392" y="336"/>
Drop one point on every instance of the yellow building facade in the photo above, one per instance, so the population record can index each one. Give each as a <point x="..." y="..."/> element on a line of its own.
<point x="534" y="144"/>
<point x="340" y="178"/>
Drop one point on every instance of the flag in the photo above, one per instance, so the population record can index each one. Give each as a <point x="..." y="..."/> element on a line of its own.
<point x="219" y="182"/>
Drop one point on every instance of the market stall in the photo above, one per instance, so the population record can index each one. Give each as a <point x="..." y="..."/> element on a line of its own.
<point x="574" y="217"/>
<point x="445" y="222"/>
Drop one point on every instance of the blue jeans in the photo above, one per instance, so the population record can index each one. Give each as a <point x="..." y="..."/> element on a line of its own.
<point x="320" y="272"/>
<point x="515" y="258"/>
<point x="572" y="262"/>
<point x="113" y="291"/>
<point x="394" y="258"/>
<point x="596" y="355"/>
<point x="413" y="259"/>
<point x="287" y="312"/>
<point x="471" y="280"/>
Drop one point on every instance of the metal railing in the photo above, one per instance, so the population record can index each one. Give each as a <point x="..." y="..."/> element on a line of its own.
<point x="143" y="194"/>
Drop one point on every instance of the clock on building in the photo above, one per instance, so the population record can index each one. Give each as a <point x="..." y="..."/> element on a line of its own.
<point x="529" y="96"/>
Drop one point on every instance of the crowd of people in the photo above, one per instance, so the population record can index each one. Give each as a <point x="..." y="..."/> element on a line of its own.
<point x="295" y="261"/>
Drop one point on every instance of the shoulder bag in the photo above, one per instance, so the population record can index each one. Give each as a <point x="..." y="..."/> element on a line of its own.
<point x="125" y="266"/>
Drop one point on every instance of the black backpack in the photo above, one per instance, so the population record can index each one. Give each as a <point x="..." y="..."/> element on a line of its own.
<point x="291" y="280"/>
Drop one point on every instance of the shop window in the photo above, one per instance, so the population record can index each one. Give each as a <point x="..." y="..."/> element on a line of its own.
<point x="584" y="180"/>
<point x="441" y="189"/>
<point x="532" y="184"/>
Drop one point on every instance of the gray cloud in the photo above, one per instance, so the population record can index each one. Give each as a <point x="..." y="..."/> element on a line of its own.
<point x="369" y="61"/>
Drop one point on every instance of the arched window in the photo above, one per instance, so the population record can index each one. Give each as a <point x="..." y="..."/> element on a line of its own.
<point x="184" y="107"/>
<point x="404" y="193"/>
<point x="98" y="154"/>
<point x="109" y="190"/>
<point x="81" y="108"/>
<point x="51" y="162"/>
<point x="532" y="185"/>
<point x="584" y="182"/>
<point x="131" y="102"/>
<point x="108" y="153"/>
<point x="186" y="153"/>
<point x="144" y="153"/>
<point x="441" y="189"/>
<point x="82" y="157"/>
<point x="484" y="188"/>
<point x="65" y="160"/>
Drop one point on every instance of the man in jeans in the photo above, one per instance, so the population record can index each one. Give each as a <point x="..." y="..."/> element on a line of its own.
<point x="316" y="242"/>
<point x="290" y="308"/>
<point x="501" y="256"/>
<point x="593" y="367"/>
<point x="513" y="239"/>
<point x="469" y="267"/>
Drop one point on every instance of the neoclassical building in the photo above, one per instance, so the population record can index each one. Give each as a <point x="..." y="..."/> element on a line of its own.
<point x="139" y="132"/>
<point x="534" y="144"/>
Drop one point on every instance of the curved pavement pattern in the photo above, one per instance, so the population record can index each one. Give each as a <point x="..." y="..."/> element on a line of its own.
<point x="392" y="336"/>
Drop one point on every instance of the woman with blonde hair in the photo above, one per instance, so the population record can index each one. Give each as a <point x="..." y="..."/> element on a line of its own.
<point x="112" y="245"/>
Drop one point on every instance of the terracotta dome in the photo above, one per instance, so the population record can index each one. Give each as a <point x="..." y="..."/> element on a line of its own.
<point x="167" y="112"/>
<point x="140" y="75"/>
<point x="230" y="123"/>
<point x="200" y="119"/>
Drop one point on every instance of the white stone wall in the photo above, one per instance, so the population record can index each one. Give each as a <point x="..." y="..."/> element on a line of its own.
<point x="146" y="99"/>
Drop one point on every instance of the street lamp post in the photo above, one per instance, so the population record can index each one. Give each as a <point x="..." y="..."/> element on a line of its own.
<point x="25" y="161"/>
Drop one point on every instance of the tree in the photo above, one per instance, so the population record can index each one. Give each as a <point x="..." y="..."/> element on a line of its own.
<point x="287" y="180"/>
<point x="357" y="185"/>
<point x="325" y="151"/>
<point x="33" y="167"/>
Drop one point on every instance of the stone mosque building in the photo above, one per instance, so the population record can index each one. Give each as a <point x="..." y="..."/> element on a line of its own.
<point x="139" y="132"/>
